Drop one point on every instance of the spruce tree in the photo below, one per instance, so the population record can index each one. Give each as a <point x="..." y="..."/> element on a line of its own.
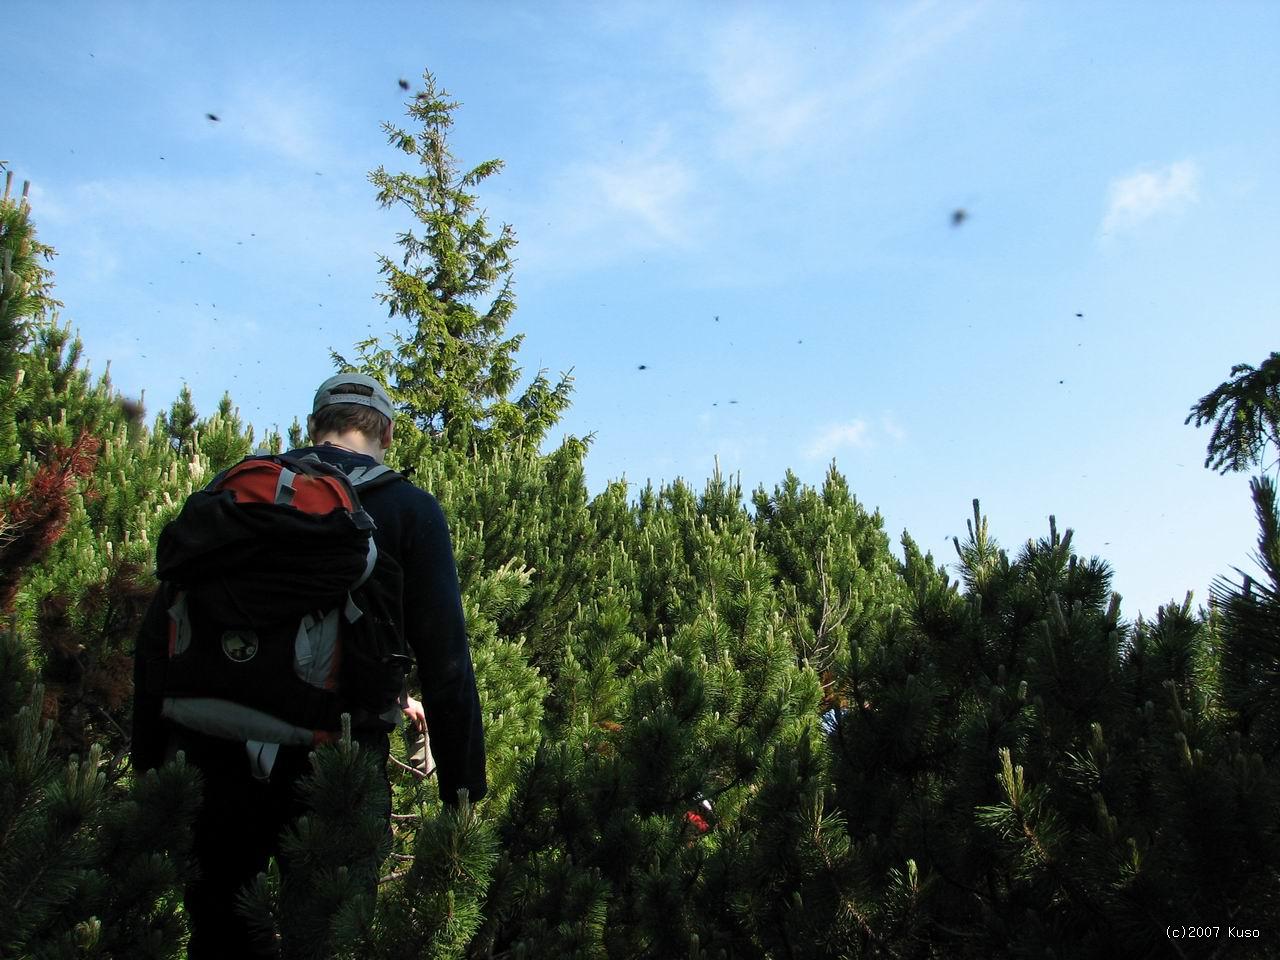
<point x="452" y="372"/>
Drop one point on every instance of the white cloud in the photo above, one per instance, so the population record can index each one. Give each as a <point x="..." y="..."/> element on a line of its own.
<point x="1141" y="196"/>
<point x="836" y="437"/>
<point x="761" y="83"/>
<point x="919" y="31"/>
<point x="275" y="118"/>
<point x="610" y="206"/>
<point x="646" y="170"/>
<point x="782" y="87"/>
<point x="648" y="193"/>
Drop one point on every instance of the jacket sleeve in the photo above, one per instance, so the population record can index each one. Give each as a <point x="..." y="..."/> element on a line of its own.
<point x="436" y="632"/>
<point x="149" y="738"/>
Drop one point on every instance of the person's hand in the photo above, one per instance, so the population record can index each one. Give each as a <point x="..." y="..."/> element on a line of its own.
<point x="413" y="710"/>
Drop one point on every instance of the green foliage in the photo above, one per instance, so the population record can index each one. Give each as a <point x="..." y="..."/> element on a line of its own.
<point x="24" y="280"/>
<point x="1006" y="740"/>
<point x="832" y="561"/>
<point x="24" y="299"/>
<point x="93" y="509"/>
<point x="428" y="905"/>
<point x="432" y="907"/>
<point x="858" y="801"/>
<point x="325" y="900"/>
<point x="54" y="400"/>
<point x="452" y="373"/>
<point x="180" y="420"/>
<point x="1245" y="413"/>
<point x="221" y="438"/>
<point x="87" y="868"/>
<point x="512" y="692"/>
<point x="522" y="508"/>
<point x="1249" y="628"/>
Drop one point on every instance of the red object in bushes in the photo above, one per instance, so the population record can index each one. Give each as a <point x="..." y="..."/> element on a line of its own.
<point x="699" y="824"/>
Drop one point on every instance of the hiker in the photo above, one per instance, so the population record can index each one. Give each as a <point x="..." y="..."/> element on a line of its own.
<point x="250" y="783"/>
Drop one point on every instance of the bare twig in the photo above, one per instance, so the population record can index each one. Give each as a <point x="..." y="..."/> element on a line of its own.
<point x="832" y="614"/>
<point x="420" y="774"/>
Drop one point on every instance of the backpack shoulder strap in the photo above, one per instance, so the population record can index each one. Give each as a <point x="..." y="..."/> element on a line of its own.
<point x="369" y="478"/>
<point x="361" y="478"/>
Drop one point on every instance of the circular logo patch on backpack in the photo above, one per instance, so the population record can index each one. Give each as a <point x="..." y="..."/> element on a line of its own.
<point x="240" y="645"/>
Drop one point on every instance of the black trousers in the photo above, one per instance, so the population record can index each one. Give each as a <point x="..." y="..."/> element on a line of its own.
<point x="237" y="831"/>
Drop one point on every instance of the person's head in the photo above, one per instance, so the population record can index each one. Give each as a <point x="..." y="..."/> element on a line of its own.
<point x="352" y="403"/>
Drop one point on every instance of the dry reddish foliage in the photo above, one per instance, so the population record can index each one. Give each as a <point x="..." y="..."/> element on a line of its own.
<point x="87" y="669"/>
<point x="31" y="522"/>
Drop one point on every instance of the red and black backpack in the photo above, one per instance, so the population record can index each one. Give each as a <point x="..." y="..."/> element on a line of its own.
<point x="284" y="614"/>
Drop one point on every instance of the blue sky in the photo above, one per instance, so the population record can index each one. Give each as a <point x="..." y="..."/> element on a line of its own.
<point x="790" y="170"/>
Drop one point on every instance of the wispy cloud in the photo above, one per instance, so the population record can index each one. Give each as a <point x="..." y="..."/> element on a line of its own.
<point x="835" y="437"/>
<point x="274" y="118"/>
<point x="778" y="87"/>
<point x="1139" y="197"/>
<point x="858" y="433"/>
<point x="648" y="194"/>
<point x="653" y="168"/>
<point x="610" y="206"/>
<point x="763" y="88"/>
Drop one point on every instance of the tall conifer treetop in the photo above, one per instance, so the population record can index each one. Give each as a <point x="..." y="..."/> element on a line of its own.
<point x="453" y="372"/>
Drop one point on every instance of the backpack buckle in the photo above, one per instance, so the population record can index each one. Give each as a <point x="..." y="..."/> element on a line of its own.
<point x="284" y="487"/>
